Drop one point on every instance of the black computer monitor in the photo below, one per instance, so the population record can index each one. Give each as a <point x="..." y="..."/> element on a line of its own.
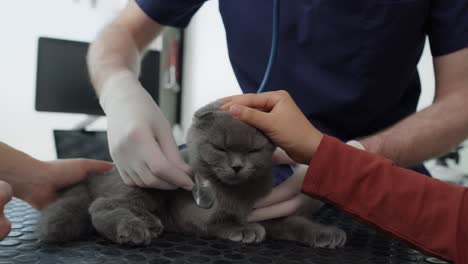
<point x="62" y="80"/>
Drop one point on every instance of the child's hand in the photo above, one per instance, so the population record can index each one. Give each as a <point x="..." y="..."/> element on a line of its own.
<point x="276" y="114"/>
<point x="52" y="176"/>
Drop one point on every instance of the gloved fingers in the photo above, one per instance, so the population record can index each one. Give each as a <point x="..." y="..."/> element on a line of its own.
<point x="124" y="175"/>
<point x="171" y="152"/>
<point x="280" y="157"/>
<point x="164" y="169"/>
<point x="127" y="179"/>
<point x="283" y="209"/>
<point x="136" y="178"/>
<point x="185" y="168"/>
<point x="285" y="191"/>
<point x="168" y="145"/>
<point x="154" y="182"/>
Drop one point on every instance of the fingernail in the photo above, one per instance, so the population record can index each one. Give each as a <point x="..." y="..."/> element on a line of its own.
<point x="235" y="110"/>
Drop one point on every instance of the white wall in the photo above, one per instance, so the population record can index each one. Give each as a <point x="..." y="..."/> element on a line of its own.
<point x="207" y="72"/>
<point x="21" y="23"/>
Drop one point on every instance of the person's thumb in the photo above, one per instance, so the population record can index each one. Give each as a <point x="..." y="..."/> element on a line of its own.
<point x="253" y="117"/>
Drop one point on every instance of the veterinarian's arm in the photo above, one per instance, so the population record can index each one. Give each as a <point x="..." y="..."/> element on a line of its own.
<point x="140" y="137"/>
<point x="120" y="45"/>
<point x="438" y="128"/>
<point x="37" y="182"/>
<point x="427" y="213"/>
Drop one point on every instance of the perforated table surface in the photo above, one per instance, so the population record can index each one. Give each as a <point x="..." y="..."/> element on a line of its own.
<point x="365" y="245"/>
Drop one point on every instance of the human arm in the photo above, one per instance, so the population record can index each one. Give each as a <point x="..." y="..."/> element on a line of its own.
<point x="436" y="129"/>
<point x="5" y="197"/>
<point x="140" y="137"/>
<point x="120" y="45"/>
<point x="38" y="182"/>
<point x="423" y="211"/>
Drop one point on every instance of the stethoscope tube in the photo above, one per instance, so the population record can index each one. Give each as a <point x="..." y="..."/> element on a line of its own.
<point x="202" y="193"/>
<point x="274" y="46"/>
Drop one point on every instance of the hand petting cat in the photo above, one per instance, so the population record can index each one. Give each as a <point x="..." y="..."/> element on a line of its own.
<point x="276" y="114"/>
<point x="38" y="182"/>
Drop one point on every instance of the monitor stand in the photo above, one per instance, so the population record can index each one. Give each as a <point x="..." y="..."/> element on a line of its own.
<point x="86" y="122"/>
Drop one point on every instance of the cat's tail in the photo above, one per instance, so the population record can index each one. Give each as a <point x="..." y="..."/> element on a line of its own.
<point x="67" y="219"/>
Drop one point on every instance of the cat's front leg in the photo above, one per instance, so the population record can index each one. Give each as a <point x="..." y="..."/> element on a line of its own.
<point x="301" y="229"/>
<point x="245" y="233"/>
<point x="123" y="223"/>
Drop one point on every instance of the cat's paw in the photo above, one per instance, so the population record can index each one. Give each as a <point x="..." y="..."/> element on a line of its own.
<point x="250" y="233"/>
<point x="155" y="227"/>
<point x="328" y="237"/>
<point x="133" y="232"/>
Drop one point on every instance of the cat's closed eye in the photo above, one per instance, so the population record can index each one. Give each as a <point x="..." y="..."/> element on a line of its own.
<point x="218" y="148"/>
<point x="253" y="150"/>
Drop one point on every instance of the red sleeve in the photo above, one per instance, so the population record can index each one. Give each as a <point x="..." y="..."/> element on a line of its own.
<point x="427" y="213"/>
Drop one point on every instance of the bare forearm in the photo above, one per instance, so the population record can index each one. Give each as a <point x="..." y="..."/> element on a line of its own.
<point x="120" y="45"/>
<point x="432" y="132"/>
<point x="113" y="51"/>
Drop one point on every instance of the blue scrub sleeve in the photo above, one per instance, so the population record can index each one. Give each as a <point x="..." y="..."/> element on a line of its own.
<point x="176" y="13"/>
<point x="448" y="26"/>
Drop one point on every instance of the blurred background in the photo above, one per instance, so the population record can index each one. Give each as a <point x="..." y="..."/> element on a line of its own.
<point x="36" y="36"/>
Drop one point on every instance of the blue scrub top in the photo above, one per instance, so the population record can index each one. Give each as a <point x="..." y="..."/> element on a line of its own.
<point x="349" y="65"/>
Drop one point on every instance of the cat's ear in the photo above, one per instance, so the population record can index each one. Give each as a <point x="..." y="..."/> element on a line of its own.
<point x="205" y="115"/>
<point x="204" y="119"/>
<point x="208" y="112"/>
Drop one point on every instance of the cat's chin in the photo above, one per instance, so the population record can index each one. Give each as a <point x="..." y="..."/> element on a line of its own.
<point x="234" y="180"/>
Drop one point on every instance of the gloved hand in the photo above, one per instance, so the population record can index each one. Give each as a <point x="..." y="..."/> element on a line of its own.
<point x="280" y="157"/>
<point x="140" y="137"/>
<point x="287" y="199"/>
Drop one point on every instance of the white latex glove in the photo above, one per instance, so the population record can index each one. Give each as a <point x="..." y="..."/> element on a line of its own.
<point x="287" y="199"/>
<point x="140" y="137"/>
<point x="281" y="157"/>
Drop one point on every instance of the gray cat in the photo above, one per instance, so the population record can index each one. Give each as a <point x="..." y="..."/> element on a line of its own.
<point x="234" y="157"/>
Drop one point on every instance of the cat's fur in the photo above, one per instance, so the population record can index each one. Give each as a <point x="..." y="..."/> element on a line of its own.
<point x="234" y="157"/>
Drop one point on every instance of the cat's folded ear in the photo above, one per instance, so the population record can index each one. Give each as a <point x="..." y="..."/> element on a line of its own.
<point x="208" y="111"/>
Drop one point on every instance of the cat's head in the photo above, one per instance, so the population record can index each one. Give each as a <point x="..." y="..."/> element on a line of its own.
<point x="230" y="150"/>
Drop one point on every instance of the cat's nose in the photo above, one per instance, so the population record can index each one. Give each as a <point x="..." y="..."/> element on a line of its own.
<point x="237" y="168"/>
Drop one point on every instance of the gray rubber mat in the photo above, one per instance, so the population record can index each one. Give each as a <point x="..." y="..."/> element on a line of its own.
<point x="365" y="245"/>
